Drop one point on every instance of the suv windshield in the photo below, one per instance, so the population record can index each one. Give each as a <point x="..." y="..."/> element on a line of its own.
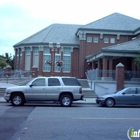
<point x="71" y="82"/>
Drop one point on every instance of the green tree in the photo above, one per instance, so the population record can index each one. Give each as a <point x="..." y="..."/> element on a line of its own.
<point x="2" y="62"/>
<point x="137" y="62"/>
<point x="6" y="60"/>
<point x="9" y="60"/>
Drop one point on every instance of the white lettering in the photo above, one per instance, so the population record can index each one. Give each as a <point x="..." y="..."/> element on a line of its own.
<point x="136" y="134"/>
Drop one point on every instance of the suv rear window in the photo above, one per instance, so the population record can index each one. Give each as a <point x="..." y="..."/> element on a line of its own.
<point x="71" y="82"/>
<point x="53" y="82"/>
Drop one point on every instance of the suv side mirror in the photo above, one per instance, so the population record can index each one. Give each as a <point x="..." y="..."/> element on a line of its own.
<point x="123" y="93"/>
<point x="31" y="85"/>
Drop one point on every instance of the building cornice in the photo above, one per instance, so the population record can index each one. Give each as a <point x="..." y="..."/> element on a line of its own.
<point x="109" y="32"/>
<point x="112" y="53"/>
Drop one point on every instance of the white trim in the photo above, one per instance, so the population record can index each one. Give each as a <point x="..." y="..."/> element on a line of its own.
<point x="89" y="39"/>
<point x="118" y="36"/>
<point x="106" y="40"/>
<point x="112" y="40"/>
<point x="96" y="39"/>
<point x="41" y="48"/>
<point x="108" y="32"/>
<point x="103" y="54"/>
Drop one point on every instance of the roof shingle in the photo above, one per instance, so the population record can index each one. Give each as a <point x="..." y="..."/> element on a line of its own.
<point x="133" y="45"/>
<point x="115" y="21"/>
<point x="63" y="33"/>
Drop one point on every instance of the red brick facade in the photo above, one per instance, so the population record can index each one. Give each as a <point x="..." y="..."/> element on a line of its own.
<point x="120" y="76"/>
<point x="79" y="56"/>
<point x="78" y="59"/>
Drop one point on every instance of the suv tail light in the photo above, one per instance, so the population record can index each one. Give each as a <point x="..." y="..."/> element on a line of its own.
<point x="80" y="90"/>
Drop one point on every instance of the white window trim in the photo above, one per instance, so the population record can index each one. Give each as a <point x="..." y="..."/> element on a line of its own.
<point x="112" y="40"/>
<point x="89" y="39"/>
<point x="96" y="40"/>
<point x="70" y="64"/>
<point x="106" y="40"/>
<point x="45" y="63"/>
<point x="55" y="63"/>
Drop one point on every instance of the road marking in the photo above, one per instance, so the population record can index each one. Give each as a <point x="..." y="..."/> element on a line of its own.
<point x="109" y="118"/>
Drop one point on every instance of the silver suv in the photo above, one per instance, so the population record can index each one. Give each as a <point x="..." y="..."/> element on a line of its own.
<point x="62" y="89"/>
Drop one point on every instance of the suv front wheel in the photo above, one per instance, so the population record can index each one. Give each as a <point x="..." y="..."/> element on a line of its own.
<point x="66" y="100"/>
<point x="17" y="100"/>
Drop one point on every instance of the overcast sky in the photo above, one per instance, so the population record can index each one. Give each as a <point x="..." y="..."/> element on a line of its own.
<point x="21" y="18"/>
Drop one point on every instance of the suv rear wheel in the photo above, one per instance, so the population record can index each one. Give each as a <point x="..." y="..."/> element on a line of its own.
<point x="17" y="100"/>
<point x="66" y="100"/>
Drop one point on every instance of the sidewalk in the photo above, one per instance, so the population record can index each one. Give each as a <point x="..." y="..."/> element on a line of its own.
<point x="85" y="101"/>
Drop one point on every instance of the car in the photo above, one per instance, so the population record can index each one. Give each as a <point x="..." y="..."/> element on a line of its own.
<point x="58" y="89"/>
<point x="126" y="96"/>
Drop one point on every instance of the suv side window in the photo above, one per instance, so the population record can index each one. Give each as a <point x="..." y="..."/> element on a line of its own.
<point x="39" y="82"/>
<point x="53" y="82"/>
<point x="71" y="82"/>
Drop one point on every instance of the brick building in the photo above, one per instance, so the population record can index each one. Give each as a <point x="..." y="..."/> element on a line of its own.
<point x="100" y="44"/>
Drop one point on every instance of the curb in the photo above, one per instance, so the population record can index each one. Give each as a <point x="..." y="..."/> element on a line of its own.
<point x="85" y="101"/>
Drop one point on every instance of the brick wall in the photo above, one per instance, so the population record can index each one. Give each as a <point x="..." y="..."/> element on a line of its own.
<point x="120" y="76"/>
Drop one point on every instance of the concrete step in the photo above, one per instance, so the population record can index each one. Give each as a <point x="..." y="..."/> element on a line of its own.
<point x="88" y="93"/>
<point x="83" y="83"/>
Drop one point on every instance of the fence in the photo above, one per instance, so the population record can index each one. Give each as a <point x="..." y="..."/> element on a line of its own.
<point x="92" y="74"/>
<point x="132" y="75"/>
<point x="15" y="74"/>
<point x="96" y="74"/>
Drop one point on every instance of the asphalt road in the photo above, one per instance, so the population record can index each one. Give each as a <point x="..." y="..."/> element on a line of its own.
<point x="79" y="122"/>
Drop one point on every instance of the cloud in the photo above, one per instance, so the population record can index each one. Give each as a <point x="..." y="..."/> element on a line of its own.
<point x="22" y="18"/>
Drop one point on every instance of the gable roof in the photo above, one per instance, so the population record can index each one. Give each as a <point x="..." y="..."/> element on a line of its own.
<point x="63" y="33"/>
<point x="115" y="21"/>
<point x="129" y="46"/>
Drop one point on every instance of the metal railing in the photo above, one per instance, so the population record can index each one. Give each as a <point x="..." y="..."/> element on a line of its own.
<point x="15" y="73"/>
<point x="132" y="75"/>
<point x="96" y="74"/>
<point x="17" y="77"/>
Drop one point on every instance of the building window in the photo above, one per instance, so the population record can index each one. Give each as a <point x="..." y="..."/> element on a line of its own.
<point x="46" y="50"/>
<point x="106" y="40"/>
<point x="27" y="58"/>
<point x="36" y="50"/>
<point x="112" y="40"/>
<point x="46" y="57"/>
<point x="20" y="67"/>
<point x="66" y="59"/>
<point x="36" y="57"/>
<point x="95" y="39"/>
<point x="28" y="50"/>
<point x="89" y="39"/>
<point x="67" y="50"/>
<point x="57" y="58"/>
<point x="66" y="63"/>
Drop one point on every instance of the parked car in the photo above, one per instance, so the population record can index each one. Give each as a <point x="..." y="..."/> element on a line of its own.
<point x="126" y="96"/>
<point x="62" y="89"/>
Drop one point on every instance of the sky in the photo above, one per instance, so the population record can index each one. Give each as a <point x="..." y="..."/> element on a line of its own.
<point x="20" y="19"/>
